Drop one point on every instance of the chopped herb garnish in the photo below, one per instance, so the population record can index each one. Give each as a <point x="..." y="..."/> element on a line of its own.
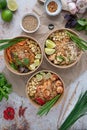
<point x="13" y="65"/>
<point x="60" y="58"/>
<point x="26" y="61"/>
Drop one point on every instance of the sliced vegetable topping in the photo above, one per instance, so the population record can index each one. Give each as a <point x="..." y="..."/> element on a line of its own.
<point x="45" y="88"/>
<point x="60" y="47"/>
<point x="49" y="51"/>
<point x="24" y="56"/>
<point x="50" y="44"/>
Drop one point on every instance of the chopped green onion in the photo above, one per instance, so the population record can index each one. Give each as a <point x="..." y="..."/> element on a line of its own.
<point x="46" y="107"/>
<point x="9" y="42"/>
<point x="79" y="110"/>
<point x="78" y="41"/>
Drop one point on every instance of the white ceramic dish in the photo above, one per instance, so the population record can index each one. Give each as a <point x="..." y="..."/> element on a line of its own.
<point x="38" y="25"/>
<point x="58" y="2"/>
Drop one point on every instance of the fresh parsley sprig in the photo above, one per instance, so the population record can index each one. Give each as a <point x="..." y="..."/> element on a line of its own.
<point x="5" y="87"/>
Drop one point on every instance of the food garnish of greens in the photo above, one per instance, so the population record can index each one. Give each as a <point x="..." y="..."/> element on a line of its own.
<point x="71" y="21"/>
<point x="5" y="43"/>
<point x="46" y="107"/>
<point x="74" y="22"/>
<point x="81" y="25"/>
<point x="60" y="48"/>
<point x="5" y="87"/>
<point x="45" y="88"/>
<point x="23" y="54"/>
<point x="79" y="110"/>
<point x="78" y="41"/>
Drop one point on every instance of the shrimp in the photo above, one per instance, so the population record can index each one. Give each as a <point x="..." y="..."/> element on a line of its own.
<point x="54" y="77"/>
<point x="60" y="89"/>
<point x="39" y="87"/>
<point x="58" y="83"/>
<point x="47" y="83"/>
<point x="46" y="93"/>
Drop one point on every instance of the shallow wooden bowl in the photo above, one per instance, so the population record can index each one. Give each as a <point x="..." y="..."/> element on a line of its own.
<point x="63" y="66"/>
<point x="33" y="102"/>
<point x="15" y="71"/>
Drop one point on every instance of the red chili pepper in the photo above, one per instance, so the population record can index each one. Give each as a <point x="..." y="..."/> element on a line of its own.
<point x="40" y="101"/>
<point x="9" y="113"/>
<point x="22" y="111"/>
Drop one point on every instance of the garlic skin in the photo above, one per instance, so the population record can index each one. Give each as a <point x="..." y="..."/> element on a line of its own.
<point x="72" y="7"/>
<point x="81" y="5"/>
<point x="77" y="6"/>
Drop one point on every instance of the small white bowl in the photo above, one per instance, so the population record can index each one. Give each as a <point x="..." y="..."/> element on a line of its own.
<point x="58" y="2"/>
<point x="38" y="23"/>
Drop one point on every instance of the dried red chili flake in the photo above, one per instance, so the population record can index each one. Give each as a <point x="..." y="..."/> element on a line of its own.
<point x="9" y="113"/>
<point x="22" y="111"/>
<point x="40" y="101"/>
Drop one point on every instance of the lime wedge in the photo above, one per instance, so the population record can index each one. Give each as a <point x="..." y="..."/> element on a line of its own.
<point x="38" y="56"/>
<point x="32" y="66"/>
<point x="49" y="51"/>
<point x="39" y="77"/>
<point x="50" y="44"/>
<point x="37" y="62"/>
<point x="12" y="5"/>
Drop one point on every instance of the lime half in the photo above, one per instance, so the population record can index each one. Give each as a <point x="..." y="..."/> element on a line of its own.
<point x="49" y="51"/>
<point x="12" y="5"/>
<point x="50" y="44"/>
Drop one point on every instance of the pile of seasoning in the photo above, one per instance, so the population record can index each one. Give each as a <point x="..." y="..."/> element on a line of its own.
<point x="52" y="6"/>
<point x="30" y="23"/>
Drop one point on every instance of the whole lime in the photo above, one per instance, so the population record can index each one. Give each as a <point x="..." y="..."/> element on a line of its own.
<point x="3" y="4"/>
<point x="7" y="15"/>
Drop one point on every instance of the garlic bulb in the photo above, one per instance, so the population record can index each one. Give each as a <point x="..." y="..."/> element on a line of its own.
<point x="72" y="7"/>
<point x="81" y="5"/>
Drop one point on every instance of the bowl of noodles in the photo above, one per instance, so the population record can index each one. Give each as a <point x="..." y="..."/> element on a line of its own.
<point x="43" y="86"/>
<point x="24" y="57"/>
<point x="59" y="49"/>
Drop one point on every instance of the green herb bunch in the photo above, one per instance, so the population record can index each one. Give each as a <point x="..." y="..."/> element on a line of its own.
<point x="79" y="110"/>
<point x="81" y="25"/>
<point x="5" y="87"/>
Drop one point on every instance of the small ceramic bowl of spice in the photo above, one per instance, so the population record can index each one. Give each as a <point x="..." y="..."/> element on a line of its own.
<point x="53" y="7"/>
<point x="30" y="23"/>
